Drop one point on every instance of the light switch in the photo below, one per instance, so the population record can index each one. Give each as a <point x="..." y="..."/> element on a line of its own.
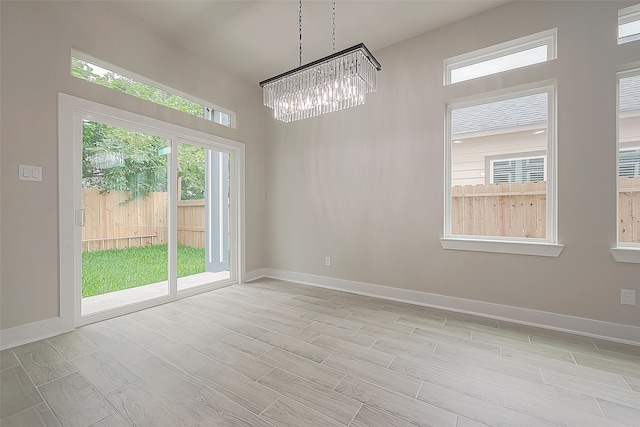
<point x="30" y="173"/>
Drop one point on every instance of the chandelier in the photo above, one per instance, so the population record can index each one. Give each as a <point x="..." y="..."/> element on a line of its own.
<point x="335" y="82"/>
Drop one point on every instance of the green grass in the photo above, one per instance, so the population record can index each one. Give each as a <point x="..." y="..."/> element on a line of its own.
<point x="117" y="269"/>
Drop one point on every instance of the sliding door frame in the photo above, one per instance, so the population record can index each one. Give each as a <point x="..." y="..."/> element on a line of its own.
<point x="71" y="113"/>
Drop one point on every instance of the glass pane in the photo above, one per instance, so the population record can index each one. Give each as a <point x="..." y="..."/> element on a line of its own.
<point x="503" y="63"/>
<point x="86" y="70"/>
<point x="496" y="189"/>
<point x="629" y="27"/>
<point x="203" y="220"/>
<point x="125" y="200"/>
<point x="629" y="160"/>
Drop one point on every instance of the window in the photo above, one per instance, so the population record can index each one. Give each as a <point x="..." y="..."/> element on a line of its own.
<point x="629" y="161"/>
<point x="527" y="169"/>
<point x="629" y="24"/>
<point x="96" y="71"/>
<point x="513" y="54"/>
<point x="512" y="136"/>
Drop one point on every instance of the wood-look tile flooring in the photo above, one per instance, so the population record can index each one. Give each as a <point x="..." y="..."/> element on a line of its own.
<point x="271" y="353"/>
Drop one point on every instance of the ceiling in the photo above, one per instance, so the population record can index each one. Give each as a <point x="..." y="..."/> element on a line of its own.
<point x="259" y="39"/>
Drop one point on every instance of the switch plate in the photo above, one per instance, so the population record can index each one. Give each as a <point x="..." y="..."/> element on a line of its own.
<point x="627" y="297"/>
<point x="29" y="173"/>
<point x="327" y="261"/>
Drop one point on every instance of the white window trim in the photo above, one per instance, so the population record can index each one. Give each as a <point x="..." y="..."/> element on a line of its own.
<point x="508" y="245"/>
<point x="517" y="247"/>
<point x="627" y="15"/>
<point x="126" y="73"/>
<point x="623" y="252"/>
<point x="545" y="38"/>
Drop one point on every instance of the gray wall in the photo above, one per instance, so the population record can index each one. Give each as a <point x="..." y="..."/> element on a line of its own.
<point x="365" y="186"/>
<point x="37" y="38"/>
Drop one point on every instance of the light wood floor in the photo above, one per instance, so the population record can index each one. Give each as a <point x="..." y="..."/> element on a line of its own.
<point x="271" y="353"/>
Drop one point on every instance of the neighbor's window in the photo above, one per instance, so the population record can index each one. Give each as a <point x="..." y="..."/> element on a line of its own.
<point x="629" y="158"/>
<point x="96" y="71"/>
<point x="525" y="169"/>
<point x="629" y="163"/>
<point x="513" y="54"/>
<point x="512" y="204"/>
<point x="629" y="24"/>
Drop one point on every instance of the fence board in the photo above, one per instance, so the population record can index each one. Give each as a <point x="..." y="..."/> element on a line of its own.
<point x="479" y="214"/>
<point x="468" y="221"/>
<point x="625" y="210"/>
<point x="457" y="210"/>
<point x="504" y="220"/>
<point x="492" y="206"/>
<point x="635" y="209"/>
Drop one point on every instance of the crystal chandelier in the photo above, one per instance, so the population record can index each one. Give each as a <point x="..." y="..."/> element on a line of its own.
<point x="335" y="82"/>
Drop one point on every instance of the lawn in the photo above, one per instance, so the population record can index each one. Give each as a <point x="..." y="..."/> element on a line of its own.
<point x="117" y="269"/>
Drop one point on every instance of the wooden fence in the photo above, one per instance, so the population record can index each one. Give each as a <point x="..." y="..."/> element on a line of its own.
<point x="113" y="221"/>
<point x="516" y="210"/>
<point x="191" y="223"/>
<point x="519" y="210"/>
<point x="629" y="210"/>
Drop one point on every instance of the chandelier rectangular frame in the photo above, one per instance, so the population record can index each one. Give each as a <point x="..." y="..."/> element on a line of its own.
<point x="335" y="82"/>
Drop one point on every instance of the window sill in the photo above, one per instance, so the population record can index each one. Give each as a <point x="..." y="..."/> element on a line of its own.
<point x="503" y="246"/>
<point x="626" y="254"/>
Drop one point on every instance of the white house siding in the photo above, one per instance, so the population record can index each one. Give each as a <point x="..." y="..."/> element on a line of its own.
<point x="630" y="129"/>
<point x="468" y="157"/>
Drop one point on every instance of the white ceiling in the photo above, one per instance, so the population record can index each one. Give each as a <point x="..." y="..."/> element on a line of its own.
<point x="259" y="39"/>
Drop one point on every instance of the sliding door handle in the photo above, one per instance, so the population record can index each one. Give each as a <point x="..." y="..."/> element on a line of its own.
<point x="80" y="217"/>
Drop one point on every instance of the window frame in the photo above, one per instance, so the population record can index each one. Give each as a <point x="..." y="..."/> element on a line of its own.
<point x="548" y="246"/>
<point x="545" y="38"/>
<point x="623" y="251"/>
<point x="626" y="16"/>
<point x="209" y="108"/>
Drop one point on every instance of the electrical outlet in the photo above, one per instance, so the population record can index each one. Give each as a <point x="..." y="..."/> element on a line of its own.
<point x="627" y="297"/>
<point x="327" y="261"/>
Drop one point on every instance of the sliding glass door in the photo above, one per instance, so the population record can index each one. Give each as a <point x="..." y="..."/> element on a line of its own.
<point x="149" y="211"/>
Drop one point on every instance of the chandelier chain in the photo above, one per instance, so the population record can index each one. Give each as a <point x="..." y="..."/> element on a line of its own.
<point x="333" y="83"/>
<point x="333" y="18"/>
<point x="300" y="29"/>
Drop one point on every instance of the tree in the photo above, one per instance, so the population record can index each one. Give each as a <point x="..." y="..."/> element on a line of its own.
<point x="191" y="170"/>
<point x="118" y="159"/>
<point x="85" y="71"/>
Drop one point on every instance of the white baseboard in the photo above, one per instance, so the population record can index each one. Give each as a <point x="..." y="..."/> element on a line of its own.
<point x="31" y="332"/>
<point x="627" y="334"/>
<point x="256" y="274"/>
<point x="559" y="322"/>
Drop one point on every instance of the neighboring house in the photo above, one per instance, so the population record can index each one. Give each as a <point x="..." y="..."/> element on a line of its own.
<point x="505" y="141"/>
